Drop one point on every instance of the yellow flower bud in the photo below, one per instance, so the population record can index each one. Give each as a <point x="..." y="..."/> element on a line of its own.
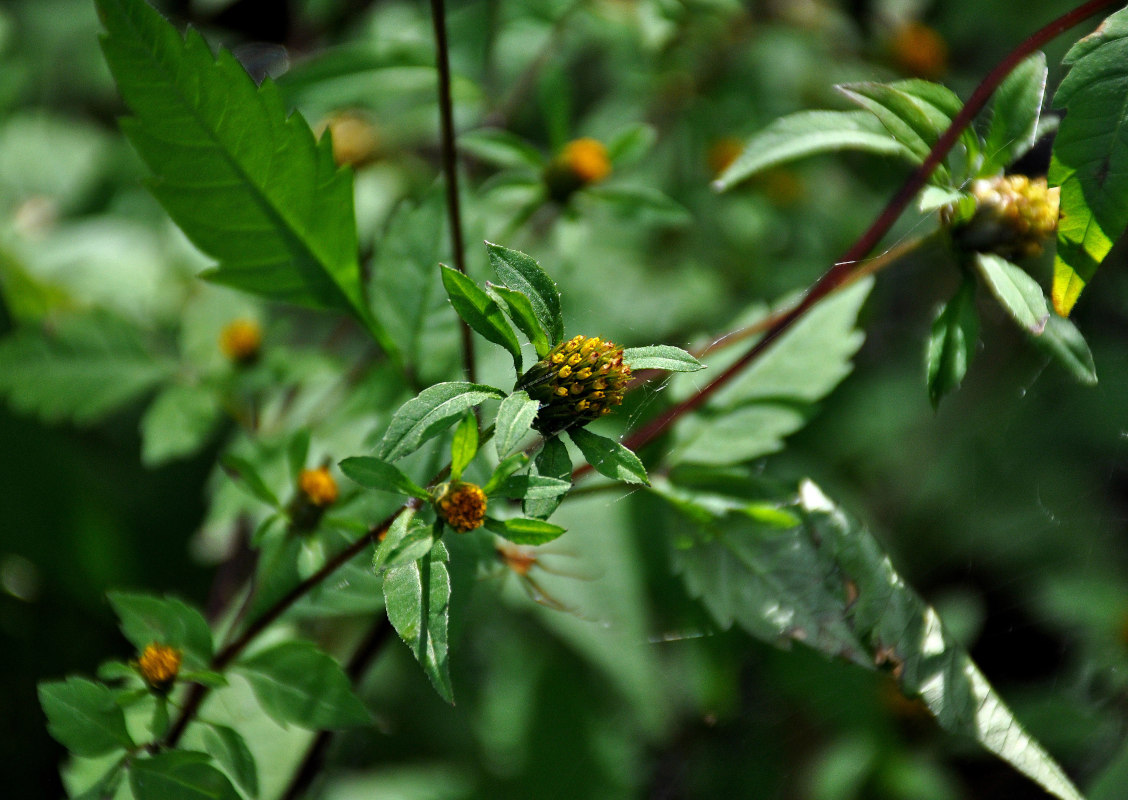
<point x="571" y="398"/>
<point x="159" y="665"/>
<point x="241" y="341"/>
<point x="462" y="506"/>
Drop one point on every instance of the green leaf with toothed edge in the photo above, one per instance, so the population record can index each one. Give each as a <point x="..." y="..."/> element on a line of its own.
<point x="530" y="532"/>
<point x="608" y="457"/>
<point x="951" y="343"/>
<point x="661" y="356"/>
<point x="1015" y="110"/>
<point x="464" y="445"/>
<point x="244" y="179"/>
<point x="520" y="309"/>
<point x="372" y="473"/>
<point x="84" y="717"/>
<point x="824" y="581"/>
<point x="179" y="775"/>
<point x="514" y="420"/>
<point x="523" y="274"/>
<point x="480" y="312"/>
<point x="417" y="596"/>
<point x="146" y="619"/>
<point x="430" y="413"/>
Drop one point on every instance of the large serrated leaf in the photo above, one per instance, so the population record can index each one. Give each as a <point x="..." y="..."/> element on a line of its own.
<point x="776" y="395"/>
<point x="80" y="370"/>
<point x="84" y="717"/>
<point x="523" y="274"/>
<point x="179" y="775"/>
<point x="515" y="418"/>
<point x="247" y="182"/>
<point x="827" y="583"/>
<point x="417" y="596"/>
<point x="806" y="133"/>
<point x="909" y="120"/>
<point x="428" y="414"/>
<point x="1090" y="157"/>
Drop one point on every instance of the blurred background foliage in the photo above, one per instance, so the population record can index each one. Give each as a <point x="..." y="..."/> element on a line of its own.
<point x="1006" y="509"/>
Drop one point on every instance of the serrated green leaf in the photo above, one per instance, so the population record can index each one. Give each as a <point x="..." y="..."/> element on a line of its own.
<point x="520" y="309"/>
<point x="533" y="487"/>
<point x="515" y="418"/>
<point x="179" y="775"/>
<point x="501" y="148"/>
<point x="178" y="423"/>
<point x="951" y="343"/>
<point x="480" y="312"/>
<point x="146" y="619"/>
<point x="244" y="179"/>
<point x="430" y="413"/>
<point x="552" y="461"/>
<point x="417" y="596"/>
<point x="84" y="717"/>
<point x="1090" y="157"/>
<point x="408" y="540"/>
<point x="80" y="369"/>
<point x="246" y="477"/>
<point x="630" y="145"/>
<point x="906" y="118"/>
<point x="608" y="457"/>
<point x="522" y="274"/>
<point x="372" y="473"/>
<point x="661" y="356"/>
<point x="297" y="683"/>
<point x="228" y="747"/>
<point x="464" y="445"/>
<point x="1016" y="109"/>
<point x="827" y="583"/>
<point x="525" y="531"/>
<point x="807" y="133"/>
<point x="776" y="395"/>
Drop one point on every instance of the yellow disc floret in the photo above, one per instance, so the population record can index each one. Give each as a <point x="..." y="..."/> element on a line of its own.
<point x="576" y="382"/>
<point x="318" y="486"/>
<point x="241" y="341"/>
<point x="581" y="163"/>
<point x="462" y="506"/>
<point x="1014" y="216"/>
<point x="159" y="665"/>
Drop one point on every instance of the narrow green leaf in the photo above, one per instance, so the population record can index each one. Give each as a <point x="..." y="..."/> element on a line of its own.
<point x="1090" y="157"/>
<point x="506" y="467"/>
<point x="534" y="487"/>
<point x="179" y="775"/>
<point x="515" y="418"/>
<point x="1017" y="292"/>
<point x="520" y="309"/>
<point x="522" y="274"/>
<point x="807" y="133"/>
<point x="417" y="596"/>
<point x="501" y="148"/>
<point x="608" y="457"/>
<point x="552" y="461"/>
<point x="408" y="540"/>
<point x="84" y="717"/>
<point x="246" y="477"/>
<point x="296" y="454"/>
<point x="245" y="179"/>
<point x="178" y="423"/>
<point x="464" y="445"/>
<point x="1015" y="111"/>
<point x="951" y="344"/>
<point x="661" y="356"/>
<point x="905" y="117"/>
<point x="165" y="620"/>
<point x="372" y="473"/>
<point x="1064" y="343"/>
<point x="525" y="531"/>
<point x="81" y="369"/>
<point x="630" y="145"/>
<point x="297" y="683"/>
<point x="227" y="746"/>
<point x="827" y="583"/>
<point x="430" y="413"/>
<point x="480" y="312"/>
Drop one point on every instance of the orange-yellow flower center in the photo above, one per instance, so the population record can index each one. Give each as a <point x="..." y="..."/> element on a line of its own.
<point x="576" y="382"/>
<point x="463" y="506"/>
<point x="318" y="486"/>
<point x="587" y="159"/>
<point x="241" y="340"/>
<point x="1014" y="215"/>
<point x="159" y="665"/>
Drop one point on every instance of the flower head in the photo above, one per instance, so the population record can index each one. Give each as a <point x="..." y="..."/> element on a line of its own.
<point x="241" y="341"/>
<point x="919" y="50"/>
<point x="462" y="506"/>
<point x="318" y="486"/>
<point x="581" y="163"/>
<point x="578" y="381"/>
<point x="1013" y="217"/>
<point x="159" y="665"/>
<point x="355" y="141"/>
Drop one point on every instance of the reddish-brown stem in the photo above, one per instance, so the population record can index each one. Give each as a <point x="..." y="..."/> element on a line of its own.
<point x="450" y="168"/>
<point x="840" y="272"/>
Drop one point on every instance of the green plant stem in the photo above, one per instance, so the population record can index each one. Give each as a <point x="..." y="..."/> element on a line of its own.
<point x="838" y="274"/>
<point x="450" y="169"/>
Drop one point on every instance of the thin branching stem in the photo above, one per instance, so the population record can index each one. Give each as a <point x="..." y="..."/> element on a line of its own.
<point x="450" y="169"/>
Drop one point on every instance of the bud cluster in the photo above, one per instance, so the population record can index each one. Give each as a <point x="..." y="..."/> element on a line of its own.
<point x="462" y="506"/>
<point x="578" y="381"/>
<point x="1013" y="217"/>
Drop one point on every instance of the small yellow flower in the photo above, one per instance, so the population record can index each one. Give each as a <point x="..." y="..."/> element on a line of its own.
<point x="592" y="381"/>
<point x="355" y="141"/>
<point x="318" y="486"/>
<point x="462" y="506"/>
<point x="159" y="665"/>
<point x="919" y="51"/>
<point x="1013" y="217"/>
<point x="581" y="163"/>
<point x="241" y="341"/>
